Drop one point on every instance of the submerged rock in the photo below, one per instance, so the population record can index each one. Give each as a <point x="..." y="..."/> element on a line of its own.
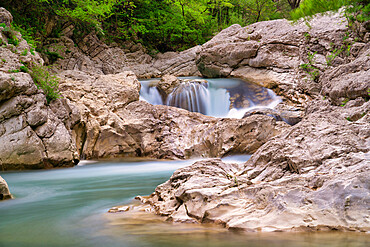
<point x="4" y="190"/>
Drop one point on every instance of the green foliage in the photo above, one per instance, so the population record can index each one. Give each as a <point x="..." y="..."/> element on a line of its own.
<point x="23" y="69"/>
<point x="160" y="25"/>
<point x="355" y="9"/>
<point x="47" y="82"/>
<point x="10" y="35"/>
<point x="344" y="102"/>
<point x="345" y="48"/>
<point x="330" y="58"/>
<point x="13" y="70"/>
<point x="309" y="67"/>
<point x="53" y="56"/>
<point x="25" y="52"/>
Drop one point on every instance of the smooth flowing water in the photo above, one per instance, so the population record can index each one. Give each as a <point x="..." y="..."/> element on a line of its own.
<point x="67" y="207"/>
<point x="219" y="97"/>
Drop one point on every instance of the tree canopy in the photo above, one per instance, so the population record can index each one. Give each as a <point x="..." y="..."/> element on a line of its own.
<point x="160" y="25"/>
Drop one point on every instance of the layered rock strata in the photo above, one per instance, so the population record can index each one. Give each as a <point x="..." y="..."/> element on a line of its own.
<point x="91" y="55"/>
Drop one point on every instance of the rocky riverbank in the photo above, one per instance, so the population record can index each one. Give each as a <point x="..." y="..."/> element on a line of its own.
<point x="314" y="176"/>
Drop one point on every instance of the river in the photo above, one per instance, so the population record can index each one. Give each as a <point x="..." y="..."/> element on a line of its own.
<point x="68" y="207"/>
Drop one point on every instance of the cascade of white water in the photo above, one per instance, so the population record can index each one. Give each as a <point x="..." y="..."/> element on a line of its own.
<point x="192" y="96"/>
<point x="214" y="98"/>
<point x="150" y="94"/>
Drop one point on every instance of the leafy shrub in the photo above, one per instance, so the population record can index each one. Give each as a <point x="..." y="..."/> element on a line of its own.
<point x="10" y="35"/>
<point x="47" y="82"/>
<point x="355" y="9"/>
<point x="53" y="56"/>
<point x="23" y="69"/>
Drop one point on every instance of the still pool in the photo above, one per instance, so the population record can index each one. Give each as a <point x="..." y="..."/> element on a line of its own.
<point x="68" y="207"/>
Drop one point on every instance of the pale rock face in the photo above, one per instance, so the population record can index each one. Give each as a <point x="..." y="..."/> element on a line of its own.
<point x="269" y="53"/>
<point x="4" y="190"/>
<point x="28" y="127"/>
<point x="115" y="124"/>
<point x="33" y="134"/>
<point x="5" y="17"/>
<point x="315" y="174"/>
<point x="166" y="85"/>
<point x="312" y="176"/>
<point x="92" y="56"/>
<point x="349" y="81"/>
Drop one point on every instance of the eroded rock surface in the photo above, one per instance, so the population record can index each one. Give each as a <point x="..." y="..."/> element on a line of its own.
<point x="33" y="134"/>
<point x="115" y="124"/>
<point x="91" y="55"/>
<point x="270" y="53"/>
<point x="313" y="176"/>
<point x="4" y="190"/>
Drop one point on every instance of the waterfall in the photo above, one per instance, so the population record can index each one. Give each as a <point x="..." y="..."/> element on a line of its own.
<point x="221" y="97"/>
<point x="192" y="96"/>
<point x="150" y="94"/>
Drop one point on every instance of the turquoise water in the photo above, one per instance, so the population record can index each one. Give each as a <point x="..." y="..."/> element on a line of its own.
<point x="67" y="207"/>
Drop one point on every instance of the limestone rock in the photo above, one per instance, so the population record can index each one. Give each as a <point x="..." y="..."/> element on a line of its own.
<point x="4" y="190"/>
<point x="32" y="135"/>
<point x="25" y="121"/>
<point x="91" y="55"/>
<point x="315" y="174"/>
<point x="115" y="124"/>
<point x="167" y="84"/>
<point x="5" y="17"/>
<point x="348" y="81"/>
<point x="290" y="115"/>
<point x="269" y="53"/>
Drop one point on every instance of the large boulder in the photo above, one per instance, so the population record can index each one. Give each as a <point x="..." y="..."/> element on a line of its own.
<point x="4" y="190"/>
<point x="270" y="53"/>
<point x="33" y="134"/>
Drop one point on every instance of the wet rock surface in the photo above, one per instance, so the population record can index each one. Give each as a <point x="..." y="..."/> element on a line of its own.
<point x="4" y="190"/>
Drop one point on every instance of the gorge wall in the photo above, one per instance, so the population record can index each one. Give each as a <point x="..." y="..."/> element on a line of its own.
<point x="33" y="134"/>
